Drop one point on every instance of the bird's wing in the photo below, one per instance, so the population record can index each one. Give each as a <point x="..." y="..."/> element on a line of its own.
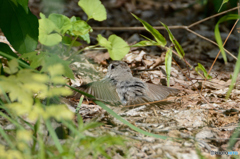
<point x="103" y="90"/>
<point x="157" y="92"/>
<point x="153" y="93"/>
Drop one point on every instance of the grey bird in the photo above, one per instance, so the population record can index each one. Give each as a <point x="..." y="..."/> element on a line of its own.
<point x="120" y="87"/>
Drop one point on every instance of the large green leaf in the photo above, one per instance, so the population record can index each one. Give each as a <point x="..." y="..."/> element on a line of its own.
<point x="5" y="48"/>
<point x="158" y="37"/>
<point x="20" y="27"/>
<point x="94" y="9"/>
<point x="217" y="33"/>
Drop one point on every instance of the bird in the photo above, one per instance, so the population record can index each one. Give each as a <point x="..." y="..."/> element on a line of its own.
<point x="120" y="87"/>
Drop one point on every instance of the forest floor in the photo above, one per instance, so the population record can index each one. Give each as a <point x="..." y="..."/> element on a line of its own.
<point x="199" y="115"/>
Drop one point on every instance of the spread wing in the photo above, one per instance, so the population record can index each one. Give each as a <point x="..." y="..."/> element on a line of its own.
<point x="157" y="92"/>
<point x="154" y="93"/>
<point x="103" y="90"/>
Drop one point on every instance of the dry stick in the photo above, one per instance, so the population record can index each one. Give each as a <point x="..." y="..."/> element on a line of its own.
<point x="161" y="27"/>
<point x="219" y="52"/>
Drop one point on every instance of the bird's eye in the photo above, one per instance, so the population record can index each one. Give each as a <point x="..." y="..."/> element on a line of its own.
<point x="112" y="67"/>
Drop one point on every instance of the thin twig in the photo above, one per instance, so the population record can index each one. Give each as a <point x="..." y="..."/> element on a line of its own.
<point x="210" y="42"/>
<point x="219" y="52"/>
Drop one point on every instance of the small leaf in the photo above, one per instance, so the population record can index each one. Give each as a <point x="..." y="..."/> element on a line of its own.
<point x="199" y="68"/>
<point x="61" y="22"/>
<point x="12" y="67"/>
<point x="80" y="27"/>
<point x="94" y="9"/>
<point x="116" y="46"/>
<point x="177" y="46"/>
<point x="119" y="47"/>
<point x="145" y="43"/>
<point x="158" y="37"/>
<point x="53" y="60"/>
<point x="63" y="112"/>
<point x="103" y="42"/>
<point x="35" y="58"/>
<point x="85" y="37"/>
<point x="45" y="60"/>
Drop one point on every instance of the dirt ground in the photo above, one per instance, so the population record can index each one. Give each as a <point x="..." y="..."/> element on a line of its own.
<point x="199" y="115"/>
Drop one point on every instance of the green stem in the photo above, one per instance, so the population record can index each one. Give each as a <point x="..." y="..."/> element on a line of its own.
<point x="53" y="135"/>
<point x="12" y="121"/>
<point x="5" y="136"/>
<point x="70" y="46"/>
<point x="19" y="61"/>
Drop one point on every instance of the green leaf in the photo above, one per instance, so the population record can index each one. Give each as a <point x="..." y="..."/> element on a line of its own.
<point x="94" y="9"/>
<point x="145" y="43"/>
<point x="61" y="22"/>
<point x="119" y="47"/>
<point x="85" y="37"/>
<point x="168" y="63"/>
<point x="19" y="26"/>
<point x="217" y="33"/>
<point x="103" y="42"/>
<point x="35" y="58"/>
<point x="24" y="4"/>
<point x="12" y="67"/>
<point x="199" y="68"/>
<point x="158" y="37"/>
<point x="80" y="27"/>
<point x="235" y="74"/>
<point x="46" y="35"/>
<point x="46" y="60"/>
<point x="177" y="46"/>
<point x="53" y="60"/>
<point x="115" y="45"/>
